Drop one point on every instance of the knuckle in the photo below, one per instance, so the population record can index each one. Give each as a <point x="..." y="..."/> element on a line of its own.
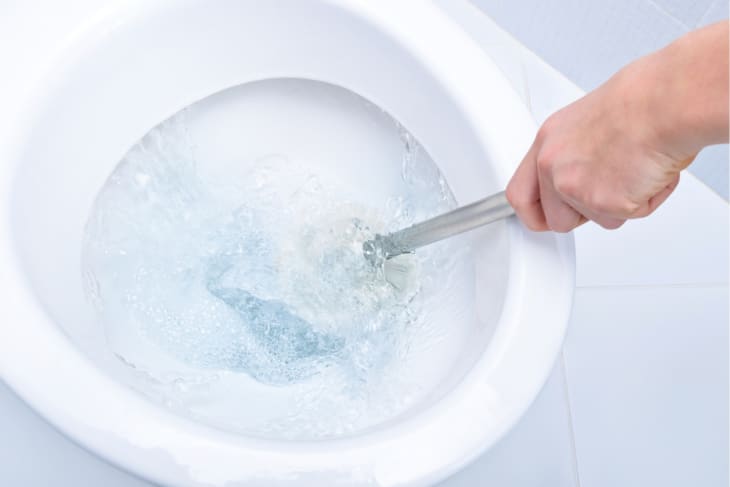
<point x="566" y="184"/>
<point x="544" y="162"/>
<point x="599" y="203"/>
<point x="618" y="207"/>
<point x="513" y="196"/>
<point x="628" y="207"/>
<point x="643" y="211"/>
<point x="547" y="128"/>
<point x="606" y="203"/>
<point x="542" y="133"/>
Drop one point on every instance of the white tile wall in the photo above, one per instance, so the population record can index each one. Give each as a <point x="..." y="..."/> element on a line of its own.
<point x="586" y="40"/>
<point x="647" y="370"/>
<point x="712" y="164"/>
<point x="589" y="40"/>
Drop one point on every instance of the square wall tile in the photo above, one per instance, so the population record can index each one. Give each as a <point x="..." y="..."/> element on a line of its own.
<point x="647" y="371"/>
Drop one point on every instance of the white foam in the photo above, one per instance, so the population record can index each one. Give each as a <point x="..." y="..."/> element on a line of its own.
<point x="211" y="286"/>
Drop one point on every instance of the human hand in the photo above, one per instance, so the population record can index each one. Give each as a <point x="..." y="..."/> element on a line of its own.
<point x="593" y="160"/>
<point x="617" y="153"/>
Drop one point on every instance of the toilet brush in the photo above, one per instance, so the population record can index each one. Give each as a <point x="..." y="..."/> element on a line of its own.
<point x="462" y="219"/>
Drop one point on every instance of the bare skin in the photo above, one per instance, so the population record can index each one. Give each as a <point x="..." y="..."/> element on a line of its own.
<point x="617" y="153"/>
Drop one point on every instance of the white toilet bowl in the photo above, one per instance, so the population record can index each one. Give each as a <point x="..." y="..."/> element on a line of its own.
<point x="141" y="63"/>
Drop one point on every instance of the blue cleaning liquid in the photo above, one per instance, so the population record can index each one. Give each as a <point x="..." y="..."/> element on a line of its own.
<point x="289" y="343"/>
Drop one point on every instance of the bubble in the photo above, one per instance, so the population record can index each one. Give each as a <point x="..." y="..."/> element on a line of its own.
<point x="262" y="276"/>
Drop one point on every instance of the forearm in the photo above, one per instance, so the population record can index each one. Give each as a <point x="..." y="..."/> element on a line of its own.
<point x="681" y="91"/>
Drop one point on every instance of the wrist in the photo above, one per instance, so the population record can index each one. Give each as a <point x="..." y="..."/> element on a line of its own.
<point x="680" y="95"/>
<point x="643" y="114"/>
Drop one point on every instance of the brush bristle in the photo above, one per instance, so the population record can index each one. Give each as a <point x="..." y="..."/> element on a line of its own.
<point x="399" y="271"/>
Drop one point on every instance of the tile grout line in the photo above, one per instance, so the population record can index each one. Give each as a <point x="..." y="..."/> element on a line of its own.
<point x="666" y="12"/>
<point x="566" y="393"/>
<point x="705" y="13"/>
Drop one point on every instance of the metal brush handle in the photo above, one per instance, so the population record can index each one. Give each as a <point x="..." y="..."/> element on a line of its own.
<point x="460" y="220"/>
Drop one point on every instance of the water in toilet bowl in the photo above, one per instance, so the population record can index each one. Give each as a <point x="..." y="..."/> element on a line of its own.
<point x="251" y="289"/>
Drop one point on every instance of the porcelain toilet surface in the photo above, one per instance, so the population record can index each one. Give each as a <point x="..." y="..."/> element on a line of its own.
<point x="141" y="64"/>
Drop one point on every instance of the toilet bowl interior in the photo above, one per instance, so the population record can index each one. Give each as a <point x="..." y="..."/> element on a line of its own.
<point x="242" y="77"/>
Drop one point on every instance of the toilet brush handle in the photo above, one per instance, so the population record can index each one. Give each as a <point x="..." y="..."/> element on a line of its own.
<point x="462" y="219"/>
